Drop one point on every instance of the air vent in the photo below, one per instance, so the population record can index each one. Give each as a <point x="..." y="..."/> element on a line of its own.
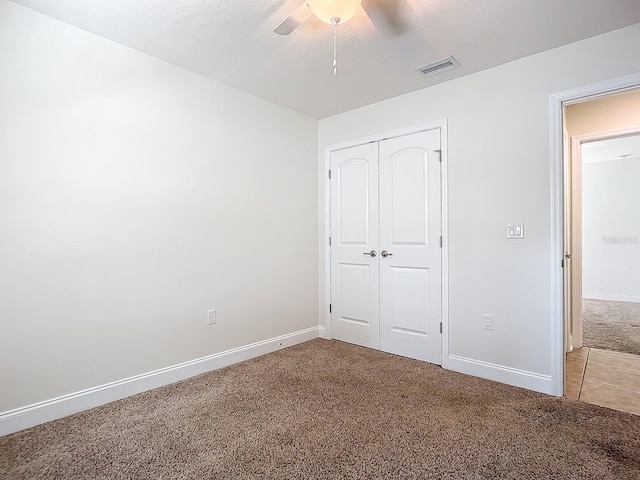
<point x="438" y="66"/>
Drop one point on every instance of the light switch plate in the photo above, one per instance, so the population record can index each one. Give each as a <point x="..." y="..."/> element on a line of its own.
<point x="515" y="230"/>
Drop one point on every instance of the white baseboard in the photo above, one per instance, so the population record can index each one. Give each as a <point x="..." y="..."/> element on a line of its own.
<point x="500" y="373"/>
<point x="42" y="412"/>
<point x="612" y="297"/>
<point x="323" y="332"/>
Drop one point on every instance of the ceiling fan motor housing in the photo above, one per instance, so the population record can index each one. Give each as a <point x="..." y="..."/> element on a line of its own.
<point x="334" y="12"/>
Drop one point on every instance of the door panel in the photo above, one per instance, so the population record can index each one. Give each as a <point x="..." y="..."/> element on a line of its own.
<point x="410" y="226"/>
<point x="409" y="300"/>
<point x="355" y="286"/>
<point x="568" y="223"/>
<point x="355" y="293"/>
<point x="354" y="201"/>
<point x="385" y="196"/>
<point x="409" y="204"/>
<point x="575" y="263"/>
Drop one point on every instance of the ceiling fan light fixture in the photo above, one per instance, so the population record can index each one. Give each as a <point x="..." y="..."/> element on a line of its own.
<point x="334" y="12"/>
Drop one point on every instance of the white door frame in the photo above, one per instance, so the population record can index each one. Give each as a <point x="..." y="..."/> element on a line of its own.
<point x="556" y="102"/>
<point x="442" y="125"/>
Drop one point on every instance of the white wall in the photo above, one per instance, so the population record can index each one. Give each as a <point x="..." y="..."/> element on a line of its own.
<point x="499" y="172"/>
<point x="134" y="196"/>
<point x="611" y="230"/>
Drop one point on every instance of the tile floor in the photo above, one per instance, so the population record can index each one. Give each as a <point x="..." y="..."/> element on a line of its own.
<point x="601" y="377"/>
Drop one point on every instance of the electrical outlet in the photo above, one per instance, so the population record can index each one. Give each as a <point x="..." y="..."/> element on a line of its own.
<point x="211" y="315"/>
<point x="488" y="322"/>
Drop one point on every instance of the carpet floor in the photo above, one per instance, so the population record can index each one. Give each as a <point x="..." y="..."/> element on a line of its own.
<point x="611" y="326"/>
<point x="329" y="410"/>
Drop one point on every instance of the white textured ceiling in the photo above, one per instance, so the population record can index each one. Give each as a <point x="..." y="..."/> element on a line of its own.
<point x="233" y="41"/>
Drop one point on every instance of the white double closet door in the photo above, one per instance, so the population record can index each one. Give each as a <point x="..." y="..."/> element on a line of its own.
<point x="386" y="254"/>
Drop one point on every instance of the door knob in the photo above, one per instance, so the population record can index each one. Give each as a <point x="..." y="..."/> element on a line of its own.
<point x="372" y="253"/>
<point x="386" y="254"/>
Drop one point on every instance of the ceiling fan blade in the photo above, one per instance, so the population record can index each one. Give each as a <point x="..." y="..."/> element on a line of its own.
<point x="293" y="21"/>
<point x="384" y="15"/>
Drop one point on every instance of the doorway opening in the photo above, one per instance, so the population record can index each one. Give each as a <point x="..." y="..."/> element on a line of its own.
<point x="602" y="250"/>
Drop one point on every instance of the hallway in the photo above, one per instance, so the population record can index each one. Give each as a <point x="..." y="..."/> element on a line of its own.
<point x="605" y="378"/>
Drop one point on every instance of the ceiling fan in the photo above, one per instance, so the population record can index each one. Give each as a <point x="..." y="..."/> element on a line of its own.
<point x="382" y="13"/>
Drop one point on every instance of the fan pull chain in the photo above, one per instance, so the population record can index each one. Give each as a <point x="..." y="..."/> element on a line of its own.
<point x="335" y="21"/>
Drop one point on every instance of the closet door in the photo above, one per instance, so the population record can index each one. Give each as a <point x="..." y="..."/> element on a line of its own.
<point x="355" y="289"/>
<point x="411" y="254"/>
<point x="386" y="256"/>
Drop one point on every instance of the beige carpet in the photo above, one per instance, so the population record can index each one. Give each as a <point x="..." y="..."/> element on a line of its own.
<point x="611" y="326"/>
<point x="328" y="410"/>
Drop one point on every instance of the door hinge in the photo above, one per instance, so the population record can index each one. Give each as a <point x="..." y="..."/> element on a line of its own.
<point x="562" y="263"/>
<point x="329" y="174"/>
<point x="440" y="327"/>
<point x="439" y="152"/>
<point x="329" y="308"/>
<point x="329" y="241"/>
<point x="440" y="241"/>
